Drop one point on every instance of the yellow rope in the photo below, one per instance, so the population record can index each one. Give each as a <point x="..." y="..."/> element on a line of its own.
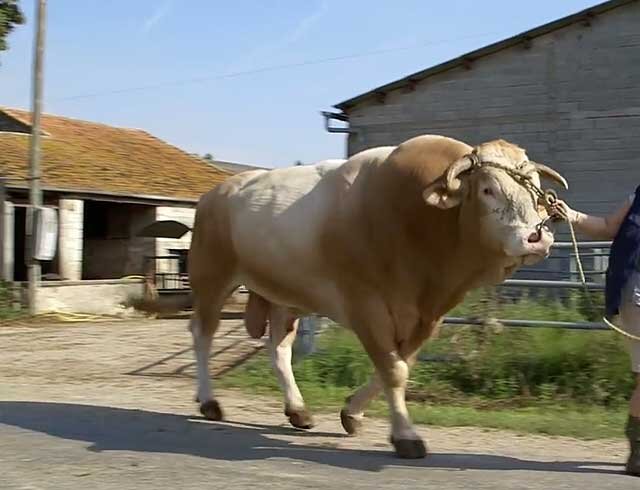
<point x="583" y="279"/>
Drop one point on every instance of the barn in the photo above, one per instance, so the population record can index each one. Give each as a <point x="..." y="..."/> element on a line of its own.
<point x="106" y="184"/>
<point x="567" y="91"/>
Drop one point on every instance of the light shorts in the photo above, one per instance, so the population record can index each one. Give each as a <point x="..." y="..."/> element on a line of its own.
<point x="630" y="316"/>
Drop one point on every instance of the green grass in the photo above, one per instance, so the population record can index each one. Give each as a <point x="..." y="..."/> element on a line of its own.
<point x="540" y="380"/>
<point x="555" y="420"/>
<point x="535" y="417"/>
<point x="7" y="312"/>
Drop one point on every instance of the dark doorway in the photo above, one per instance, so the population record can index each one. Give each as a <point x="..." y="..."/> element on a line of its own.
<point x="111" y="246"/>
<point x="49" y="268"/>
<point x="19" y="241"/>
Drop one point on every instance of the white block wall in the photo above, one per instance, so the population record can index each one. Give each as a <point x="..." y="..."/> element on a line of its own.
<point x="163" y="245"/>
<point x="71" y="218"/>
<point x="94" y="297"/>
<point x="9" y="243"/>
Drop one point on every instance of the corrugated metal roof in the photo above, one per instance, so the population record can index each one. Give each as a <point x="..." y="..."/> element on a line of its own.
<point x="234" y="167"/>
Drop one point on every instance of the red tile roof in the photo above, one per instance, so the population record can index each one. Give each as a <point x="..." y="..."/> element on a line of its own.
<point x="91" y="157"/>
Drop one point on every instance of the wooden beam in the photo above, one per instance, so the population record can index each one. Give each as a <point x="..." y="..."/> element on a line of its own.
<point x="411" y="85"/>
<point x="588" y="19"/>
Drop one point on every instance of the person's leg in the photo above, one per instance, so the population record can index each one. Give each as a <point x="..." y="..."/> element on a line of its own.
<point x="630" y="315"/>
<point x="633" y="431"/>
<point x="634" y="405"/>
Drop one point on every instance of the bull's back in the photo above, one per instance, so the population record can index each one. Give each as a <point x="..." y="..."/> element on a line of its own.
<point x="275" y="218"/>
<point x="279" y="211"/>
<point x="284" y="213"/>
<point x="278" y="222"/>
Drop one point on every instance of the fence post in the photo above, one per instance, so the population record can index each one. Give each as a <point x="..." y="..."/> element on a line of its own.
<point x="305" y="342"/>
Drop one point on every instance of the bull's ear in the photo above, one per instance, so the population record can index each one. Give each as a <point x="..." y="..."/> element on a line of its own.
<point x="439" y="196"/>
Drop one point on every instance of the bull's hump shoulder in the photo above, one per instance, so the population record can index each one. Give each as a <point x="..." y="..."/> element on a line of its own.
<point x="369" y="158"/>
<point x="430" y="144"/>
<point x="428" y="155"/>
<point x="373" y="156"/>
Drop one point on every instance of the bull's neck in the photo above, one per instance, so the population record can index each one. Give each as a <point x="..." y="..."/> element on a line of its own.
<point x="414" y="246"/>
<point x="437" y="269"/>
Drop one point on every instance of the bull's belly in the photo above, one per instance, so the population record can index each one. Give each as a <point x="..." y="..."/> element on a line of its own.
<point x="285" y="285"/>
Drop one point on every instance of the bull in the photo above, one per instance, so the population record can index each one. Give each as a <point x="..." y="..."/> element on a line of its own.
<point x="385" y="244"/>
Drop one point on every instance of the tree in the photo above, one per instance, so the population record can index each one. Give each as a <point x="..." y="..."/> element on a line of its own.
<point x="10" y="16"/>
<point x="298" y="163"/>
<point x="208" y="157"/>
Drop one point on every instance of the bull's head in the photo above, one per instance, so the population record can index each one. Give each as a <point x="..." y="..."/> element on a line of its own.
<point x="497" y="212"/>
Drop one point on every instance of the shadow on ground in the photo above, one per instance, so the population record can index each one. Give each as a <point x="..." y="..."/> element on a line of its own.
<point x="111" y="429"/>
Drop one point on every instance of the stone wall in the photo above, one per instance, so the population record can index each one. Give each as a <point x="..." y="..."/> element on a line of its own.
<point x="92" y="297"/>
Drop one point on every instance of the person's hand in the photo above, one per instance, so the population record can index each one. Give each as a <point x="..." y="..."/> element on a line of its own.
<point x="560" y="210"/>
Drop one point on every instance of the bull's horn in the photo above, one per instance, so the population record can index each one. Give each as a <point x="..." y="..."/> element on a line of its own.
<point x="545" y="171"/>
<point x="459" y="166"/>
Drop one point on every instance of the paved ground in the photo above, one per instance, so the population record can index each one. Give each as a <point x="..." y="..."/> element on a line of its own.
<point x="89" y="406"/>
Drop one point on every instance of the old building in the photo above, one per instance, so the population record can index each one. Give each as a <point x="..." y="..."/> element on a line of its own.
<point x="107" y="184"/>
<point x="567" y="91"/>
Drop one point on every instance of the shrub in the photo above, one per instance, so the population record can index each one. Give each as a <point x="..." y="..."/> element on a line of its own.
<point x="493" y="363"/>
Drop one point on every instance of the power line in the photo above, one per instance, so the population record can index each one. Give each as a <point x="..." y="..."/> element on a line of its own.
<point x="266" y="69"/>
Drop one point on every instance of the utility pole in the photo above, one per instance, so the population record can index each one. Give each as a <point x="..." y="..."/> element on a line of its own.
<point x="35" y="191"/>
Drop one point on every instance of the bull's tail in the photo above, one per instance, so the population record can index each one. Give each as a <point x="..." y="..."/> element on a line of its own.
<point x="159" y="305"/>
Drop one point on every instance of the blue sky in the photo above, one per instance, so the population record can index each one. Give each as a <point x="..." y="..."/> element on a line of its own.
<point x="176" y="52"/>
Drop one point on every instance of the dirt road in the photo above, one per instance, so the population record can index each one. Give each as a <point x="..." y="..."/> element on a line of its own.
<point x="90" y="406"/>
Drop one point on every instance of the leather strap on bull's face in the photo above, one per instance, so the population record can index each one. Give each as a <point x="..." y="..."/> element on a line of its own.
<point x="446" y="193"/>
<point x="545" y="198"/>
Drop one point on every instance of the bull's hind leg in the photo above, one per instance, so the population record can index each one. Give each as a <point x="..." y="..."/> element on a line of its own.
<point x="282" y="331"/>
<point x="203" y="326"/>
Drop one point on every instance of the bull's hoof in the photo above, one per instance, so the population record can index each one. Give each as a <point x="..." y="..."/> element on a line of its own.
<point x="211" y="410"/>
<point x="409" y="448"/>
<point x="301" y="419"/>
<point x="352" y="425"/>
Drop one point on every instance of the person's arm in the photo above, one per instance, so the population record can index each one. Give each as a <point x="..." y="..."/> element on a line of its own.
<point x="595" y="227"/>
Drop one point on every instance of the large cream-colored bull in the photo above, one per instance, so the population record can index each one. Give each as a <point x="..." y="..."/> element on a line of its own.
<point x="385" y="244"/>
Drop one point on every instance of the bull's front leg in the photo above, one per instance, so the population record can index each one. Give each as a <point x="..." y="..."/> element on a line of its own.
<point x="352" y="415"/>
<point x="376" y="330"/>
<point x="407" y="442"/>
<point x="282" y="330"/>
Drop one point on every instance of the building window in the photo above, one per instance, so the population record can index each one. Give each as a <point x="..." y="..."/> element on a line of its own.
<point x="183" y="256"/>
